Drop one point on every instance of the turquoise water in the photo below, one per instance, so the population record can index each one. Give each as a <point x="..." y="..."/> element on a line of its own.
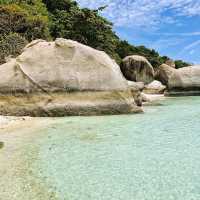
<point x="151" y="156"/>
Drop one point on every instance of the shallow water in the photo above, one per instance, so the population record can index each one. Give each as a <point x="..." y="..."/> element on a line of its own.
<point x="151" y="156"/>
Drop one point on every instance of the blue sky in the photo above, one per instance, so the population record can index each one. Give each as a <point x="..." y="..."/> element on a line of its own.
<point x="172" y="27"/>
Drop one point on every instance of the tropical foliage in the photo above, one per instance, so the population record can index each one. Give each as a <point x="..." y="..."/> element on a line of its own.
<point x="50" y="19"/>
<point x="11" y="44"/>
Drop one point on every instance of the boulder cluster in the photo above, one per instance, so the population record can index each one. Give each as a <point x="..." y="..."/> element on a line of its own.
<point x="64" y="78"/>
<point x="166" y="79"/>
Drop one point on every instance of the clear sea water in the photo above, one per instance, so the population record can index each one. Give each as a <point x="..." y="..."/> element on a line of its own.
<point x="151" y="156"/>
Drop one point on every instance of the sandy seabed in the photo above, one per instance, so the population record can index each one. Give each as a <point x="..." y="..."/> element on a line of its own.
<point x="18" y="155"/>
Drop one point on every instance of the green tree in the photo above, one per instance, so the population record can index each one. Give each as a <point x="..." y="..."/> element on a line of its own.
<point x="180" y="64"/>
<point x="50" y="19"/>
<point x="83" y="25"/>
<point x="23" y="19"/>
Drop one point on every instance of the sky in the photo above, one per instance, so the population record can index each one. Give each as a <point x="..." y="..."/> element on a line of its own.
<point x="172" y="27"/>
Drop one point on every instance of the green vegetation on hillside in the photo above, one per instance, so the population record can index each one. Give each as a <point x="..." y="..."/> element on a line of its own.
<point x="180" y="64"/>
<point x="50" y="19"/>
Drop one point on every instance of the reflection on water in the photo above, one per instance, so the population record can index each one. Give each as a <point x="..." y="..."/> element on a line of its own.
<point x="152" y="156"/>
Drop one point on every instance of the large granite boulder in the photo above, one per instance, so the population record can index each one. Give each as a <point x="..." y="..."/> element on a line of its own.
<point x="138" y="69"/>
<point x="183" y="81"/>
<point x="156" y="87"/>
<point x="163" y="73"/>
<point x="63" y="78"/>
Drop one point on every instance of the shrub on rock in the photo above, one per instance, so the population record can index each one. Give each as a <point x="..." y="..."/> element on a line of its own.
<point x="11" y="45"/>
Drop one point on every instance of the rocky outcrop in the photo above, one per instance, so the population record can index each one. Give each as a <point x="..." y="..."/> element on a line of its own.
<point x="170" y="63"/>
<point x="63" y="78"/>
<point x="138" y="69"/>
<point x="139" y="86"/>
<point x="156" y="87"/>
<point x="183" y="81"/>
<point x="136" y="89"/>
<point x="163" y="73"/>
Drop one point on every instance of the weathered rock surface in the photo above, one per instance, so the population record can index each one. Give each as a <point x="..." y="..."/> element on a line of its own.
<point x="163" y="73"/>
<point x="170" y="63"/>
<point x="136" y="89"/>
<point x="63" y="78"/>
<point x="136" y="85"/>
<point x="156" y="87"/>
<point x="183" y="81"/>
<point x="138" y="69"/>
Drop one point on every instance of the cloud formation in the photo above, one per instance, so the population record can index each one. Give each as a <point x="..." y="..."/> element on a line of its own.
<point x="145" y="13"/>
<point x="169" y="26"/>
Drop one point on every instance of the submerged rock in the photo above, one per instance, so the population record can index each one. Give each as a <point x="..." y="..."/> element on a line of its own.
<point x="138" y="69"/>
<point x="63" y="78"/>
<point x="156" y="87"/>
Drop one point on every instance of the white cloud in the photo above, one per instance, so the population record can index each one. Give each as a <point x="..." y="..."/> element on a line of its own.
<point x="145" y="13"/>
<point x="185" y="34"/>
<point x="190" y="49"/>
<point x="191" y="46"/>
<point x="166" y="43"/>
<point x="160" y="24"/>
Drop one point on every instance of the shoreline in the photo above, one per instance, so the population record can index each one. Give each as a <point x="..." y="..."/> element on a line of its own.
<point x="18" y="157"/>
<point x="12" y="121"/>
<point x="7" y="121"/>
<point x="155" y="97"/>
